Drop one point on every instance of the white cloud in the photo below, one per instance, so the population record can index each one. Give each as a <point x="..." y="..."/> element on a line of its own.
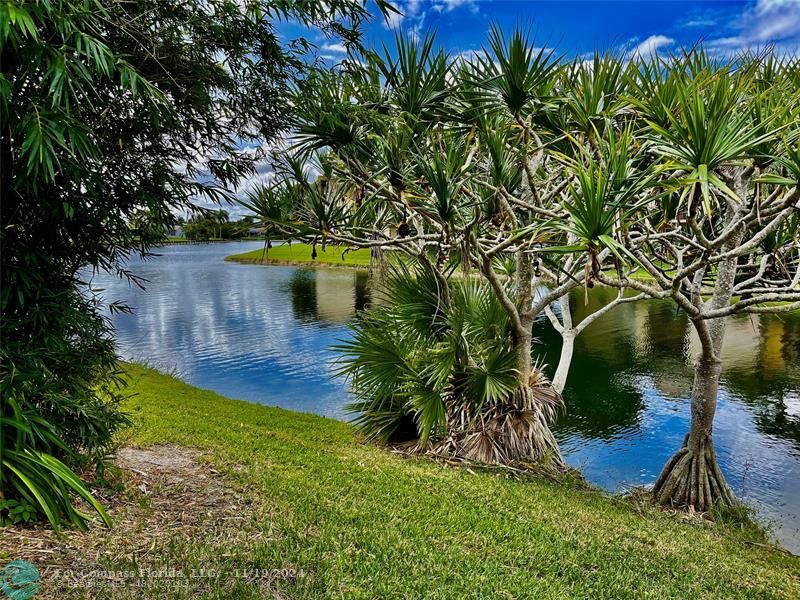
<point x="413" y="12"/>
<point x="393" y="20"/>
<point x="412" y="8"/>
<point x="415" y="31"/>
<point x="699" y="21"/>
<point x="339" y="48"/>
<point x="469" y="56"/>
<point x="760" y="24"/>
<point x="704" y="19"/>
<point x="652" y="45"/>
<point x="776" y="20"/>
<point x="451" y="5"/>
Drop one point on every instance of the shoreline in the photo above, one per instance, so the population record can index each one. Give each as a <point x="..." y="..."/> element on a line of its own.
<point x="299" y="255"/>
<point x="274" y="262"/>
<point x="173" y="241"/>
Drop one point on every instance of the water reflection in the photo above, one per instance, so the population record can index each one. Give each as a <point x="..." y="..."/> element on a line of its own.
<point x="761" y="363"/>
<point x="328" y="295"/>
<point x="628" y="410"/>
<point x="264" y="334"/>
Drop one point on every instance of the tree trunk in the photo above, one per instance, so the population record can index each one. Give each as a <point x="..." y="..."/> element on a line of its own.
<point x="692" y="477"/>
<point x="564" y="361"/>
<point x="535" y="409"/>
<point x="518" y="428"/>
<point x="568" y="335"/>
<point x="524" y="300"/>
<point x="525" y="421"/>
<point x="523" y="345"/>
<point x="378" y="265"/>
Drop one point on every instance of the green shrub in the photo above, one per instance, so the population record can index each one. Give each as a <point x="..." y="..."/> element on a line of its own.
<point x="440" y="369"/>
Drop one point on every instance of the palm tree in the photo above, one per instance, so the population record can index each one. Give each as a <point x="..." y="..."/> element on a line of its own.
<point x="441" y="375"/>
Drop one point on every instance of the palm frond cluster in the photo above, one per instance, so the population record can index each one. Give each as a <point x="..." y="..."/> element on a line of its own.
<point x="439" y="371"/>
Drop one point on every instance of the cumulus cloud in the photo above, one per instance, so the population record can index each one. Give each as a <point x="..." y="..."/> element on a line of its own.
<point x="451" y="5"/>
<point x="413" y="12"/>
<point x="338" y="48"/>
<point x="652" y="45"/>
<point x="393" y="20"/>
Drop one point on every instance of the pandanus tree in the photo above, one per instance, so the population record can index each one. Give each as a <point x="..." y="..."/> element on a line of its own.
<point x="724" y="146"/>
<point x="456" y="164"/>
<point x="529" y="172"/>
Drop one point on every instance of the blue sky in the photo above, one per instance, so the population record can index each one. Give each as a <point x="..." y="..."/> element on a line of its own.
<point x="576" y="27"/>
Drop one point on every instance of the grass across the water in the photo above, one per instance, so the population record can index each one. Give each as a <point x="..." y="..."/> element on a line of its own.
<point x="362" y="522"/>
<point x="300" y="254"/>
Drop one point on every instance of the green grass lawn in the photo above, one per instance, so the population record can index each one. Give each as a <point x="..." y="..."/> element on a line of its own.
<point x="297" y="253"/>
<point x="361" y="522"/>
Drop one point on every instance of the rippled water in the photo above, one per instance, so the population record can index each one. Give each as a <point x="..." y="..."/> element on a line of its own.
<point x="264" y="334"/>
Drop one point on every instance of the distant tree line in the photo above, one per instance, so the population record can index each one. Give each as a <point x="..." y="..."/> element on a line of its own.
<point x="218" y="225"/>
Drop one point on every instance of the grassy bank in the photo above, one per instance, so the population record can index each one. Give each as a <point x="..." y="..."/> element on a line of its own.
<point x="300" y="254"/>
<point x="359" y="521"/>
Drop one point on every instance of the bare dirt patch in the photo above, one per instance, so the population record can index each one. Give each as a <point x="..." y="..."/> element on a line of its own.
<point x="179" y="530"/>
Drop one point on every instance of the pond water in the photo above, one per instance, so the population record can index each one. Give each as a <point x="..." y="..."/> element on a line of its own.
<point x="264" y="334"/>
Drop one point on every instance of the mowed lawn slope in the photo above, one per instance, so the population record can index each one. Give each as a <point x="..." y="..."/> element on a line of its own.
<point x="362" y="522"/>
<point x="300" y="254"/>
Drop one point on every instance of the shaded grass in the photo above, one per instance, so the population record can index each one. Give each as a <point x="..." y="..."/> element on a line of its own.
<point x="300" y="254"/>
<point x="361" y="522"/>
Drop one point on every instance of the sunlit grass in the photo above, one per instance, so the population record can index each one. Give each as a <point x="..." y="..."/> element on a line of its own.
<point x="362" y="522"/>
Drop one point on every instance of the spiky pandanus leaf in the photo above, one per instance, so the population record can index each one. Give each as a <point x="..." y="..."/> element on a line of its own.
<point x="707" y="128"/>
<point x="517" y="76"/>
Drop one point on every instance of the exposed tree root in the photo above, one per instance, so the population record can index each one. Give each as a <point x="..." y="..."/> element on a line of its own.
<point x="692" y="478"/>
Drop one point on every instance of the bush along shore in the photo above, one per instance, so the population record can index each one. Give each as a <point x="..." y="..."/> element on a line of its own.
<point x="320" y="514"/>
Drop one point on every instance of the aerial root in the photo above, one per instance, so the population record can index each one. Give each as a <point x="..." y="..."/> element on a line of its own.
<point x="692" y="478"/>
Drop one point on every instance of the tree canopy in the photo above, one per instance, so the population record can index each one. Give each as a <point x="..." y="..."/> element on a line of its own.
<point x="666" y="177"/>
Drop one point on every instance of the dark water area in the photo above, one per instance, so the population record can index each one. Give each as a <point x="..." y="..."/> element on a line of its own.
<point x="264" y="334"/>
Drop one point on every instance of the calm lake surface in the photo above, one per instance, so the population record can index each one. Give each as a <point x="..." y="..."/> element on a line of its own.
<point x="264" y="334"/>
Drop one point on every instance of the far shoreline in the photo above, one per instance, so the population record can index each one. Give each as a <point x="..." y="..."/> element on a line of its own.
<point x="300" y="255"/>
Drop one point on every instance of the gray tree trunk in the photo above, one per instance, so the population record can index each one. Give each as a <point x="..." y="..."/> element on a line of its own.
<point x="568" y="335"/>
<point x="692" y="477"/>
<point x="523" y="337"/>
<point x="532" y="409"/>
